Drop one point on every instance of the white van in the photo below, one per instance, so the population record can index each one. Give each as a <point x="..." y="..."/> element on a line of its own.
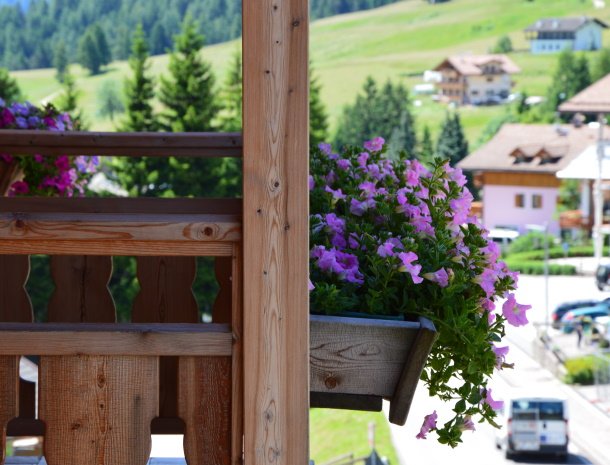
<point x="534" y="425"/>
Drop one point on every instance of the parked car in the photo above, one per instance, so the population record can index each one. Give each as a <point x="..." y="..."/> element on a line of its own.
<point x="579" y="314"/>
<point x="534" y="425"/>
<point x="602" y="276"/>
<point x="565" y="307"/>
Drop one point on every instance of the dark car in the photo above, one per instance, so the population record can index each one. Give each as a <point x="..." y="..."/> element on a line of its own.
<point x="602" y="276"/>
<point x="568" y="321"/>
<point x="565" y="307"/>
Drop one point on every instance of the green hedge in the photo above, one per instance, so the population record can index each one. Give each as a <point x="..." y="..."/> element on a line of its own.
<point x="556" y="252"/>
<point x="581" y="370"/>
<point x="537" y="267"/>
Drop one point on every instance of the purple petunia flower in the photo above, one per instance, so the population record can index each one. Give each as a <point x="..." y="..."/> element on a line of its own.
<point x="514" y="312"/>
<point x="374" y="145"/>
<point x="428" y="425"/>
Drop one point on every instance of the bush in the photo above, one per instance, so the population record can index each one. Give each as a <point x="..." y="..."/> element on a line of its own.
<point x="537" y="267"/>
<point x="581" y="370"/>
<point x="531" y="241"/>
<point x="503" y="45"/>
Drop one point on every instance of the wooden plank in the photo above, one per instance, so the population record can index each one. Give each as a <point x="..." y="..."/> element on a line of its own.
<point x="117" y="339"/>
<point x="223" y="269"/>
<point x="205" y="406"/>
<point x="9" y="394"/>
<point x="81" y="289"/>
<point x="111" y="205"/>
<point x="31" y="142"/>
<point x="507" y="178"/>
<point x="345" y="401"/>
<point x="115" y="247"/>
<point x="275" y="122"/>
<point x="344" y="348"/>
<point x="166" y="296"/>
<point x="122" y="227"/>
<point x="416" y="360"/>
<point x="15" y="305"/>
<point x="237" y="320"/>
<point x="97" y="409"/>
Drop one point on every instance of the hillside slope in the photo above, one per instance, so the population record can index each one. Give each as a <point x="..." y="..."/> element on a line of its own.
<point x="397" y="42"/>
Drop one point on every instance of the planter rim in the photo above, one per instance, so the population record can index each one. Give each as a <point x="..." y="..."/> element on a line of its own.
<point x="365" y="321"/>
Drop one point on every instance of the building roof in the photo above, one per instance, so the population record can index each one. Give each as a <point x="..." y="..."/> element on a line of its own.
<point x="472" y="65"/>
<point x="534" y="148"/>
<point x="562" y="24"/>
<point x="593" y="99"/>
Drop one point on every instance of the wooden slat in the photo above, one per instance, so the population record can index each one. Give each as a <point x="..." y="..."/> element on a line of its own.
<point x="205" y="407"/>
<point x="115" y="339"/>
<point x="166" y="293"/>
<point x="166" y="296"/>
<point x="30" y="142"/>
<point x="275" y="122"/>
<point x="237" y="321"/>
<point x="121" y="227"/>
<point x="223" y="269"/>
<point x="115" y="247"/>
<point x="98" y="410"/>
<point x="134" y="205"/>
<point x="81" y="289"/>
<point x="9" y="393"/>
<point x="416" y="360"/>
<point x="15" y="305"/>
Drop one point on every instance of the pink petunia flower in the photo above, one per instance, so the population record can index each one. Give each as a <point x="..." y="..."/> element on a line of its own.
<point x="441" y="277"/>
<point x="374" y="145"/>
<point x="501" y="353"/>
<point x="514" y="312"/>
<point x="494" y="404"/>
<point x="428" y="425"/>
<point x="407" y="259"/>
<point x="468" y="424"/>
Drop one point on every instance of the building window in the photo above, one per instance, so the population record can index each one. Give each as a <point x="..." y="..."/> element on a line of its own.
<point x="536" y="201"/>
<point x="519" y="200"/>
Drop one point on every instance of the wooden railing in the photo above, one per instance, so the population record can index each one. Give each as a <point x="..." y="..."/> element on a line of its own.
<point x="104" y="387"/>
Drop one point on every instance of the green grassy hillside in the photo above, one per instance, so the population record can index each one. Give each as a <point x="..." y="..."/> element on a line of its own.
<point x="395" y="42"/>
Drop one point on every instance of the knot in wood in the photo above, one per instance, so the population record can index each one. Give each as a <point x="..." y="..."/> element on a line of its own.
<point x="370" y="349"/>
<point x="208" y="231"/>
<point x="75" y="426"/>
<point x="330" y="381"/>
<point x="101" y="380"/>
<point x="20" y="223"/>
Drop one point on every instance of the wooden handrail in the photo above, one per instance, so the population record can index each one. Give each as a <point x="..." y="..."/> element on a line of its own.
<point x="134" y="144"/>
<point x="165" y="339"/>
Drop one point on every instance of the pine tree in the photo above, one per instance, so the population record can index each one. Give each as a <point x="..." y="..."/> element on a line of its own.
<point x="379" y="113"/>
<point x="230" y="116"/>
<point x="139" y="90"/>
<point x="109" y="101"/>
<point x="318" y="118"/>
<point x="60" y="61"/>
<point x="601" y="65"/>
<point x="188" y="93"/>
<point x="88" y="55"/>
<point x="570" y="77"/>
<point x="9" y="90"/>
<point x="426" y="147"/>
<point x="452" y="144"/>
<point x="68" y="101"/>
<point x="582" y="75"/>
<point x="103" y="50"/>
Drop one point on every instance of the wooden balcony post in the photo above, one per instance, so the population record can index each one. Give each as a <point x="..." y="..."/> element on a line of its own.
<point x="276" y="332"/>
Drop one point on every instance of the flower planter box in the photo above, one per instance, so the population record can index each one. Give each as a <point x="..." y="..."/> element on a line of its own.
<point x="357" y="362"/>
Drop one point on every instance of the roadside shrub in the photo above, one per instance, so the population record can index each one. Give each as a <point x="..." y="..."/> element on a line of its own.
<point x="537" y="267"/>
<point x="531" y="241"/>
<point x="581" y="370"/>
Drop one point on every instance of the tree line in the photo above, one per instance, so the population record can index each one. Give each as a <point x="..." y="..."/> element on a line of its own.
<point x="34" y="37"/>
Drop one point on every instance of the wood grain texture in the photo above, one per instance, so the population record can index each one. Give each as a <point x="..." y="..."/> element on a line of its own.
<point x="15" y="305"/>
<point x="117" y="339"/>
<point x="275" y="122"/>
<point x="81" y="289"/>
<point x="115" y="247"/>
<point x="343" y="349"/>
<point x="31" y="142"/>
<point x="416" y="360"/>
<point x="121" y="227"/>
<point x="166" y="296"/>
<point x="223" y="269"/>
<point x="237" y="324"/>
<point x="98" y="410"/>
<point x="205" y="406"/>
<point x="9" y="395"/>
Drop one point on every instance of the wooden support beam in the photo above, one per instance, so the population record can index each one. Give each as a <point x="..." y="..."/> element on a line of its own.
<point x="276" y="334"/>
<point x="115" y="339"/>
<point x="148" y="144"/>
